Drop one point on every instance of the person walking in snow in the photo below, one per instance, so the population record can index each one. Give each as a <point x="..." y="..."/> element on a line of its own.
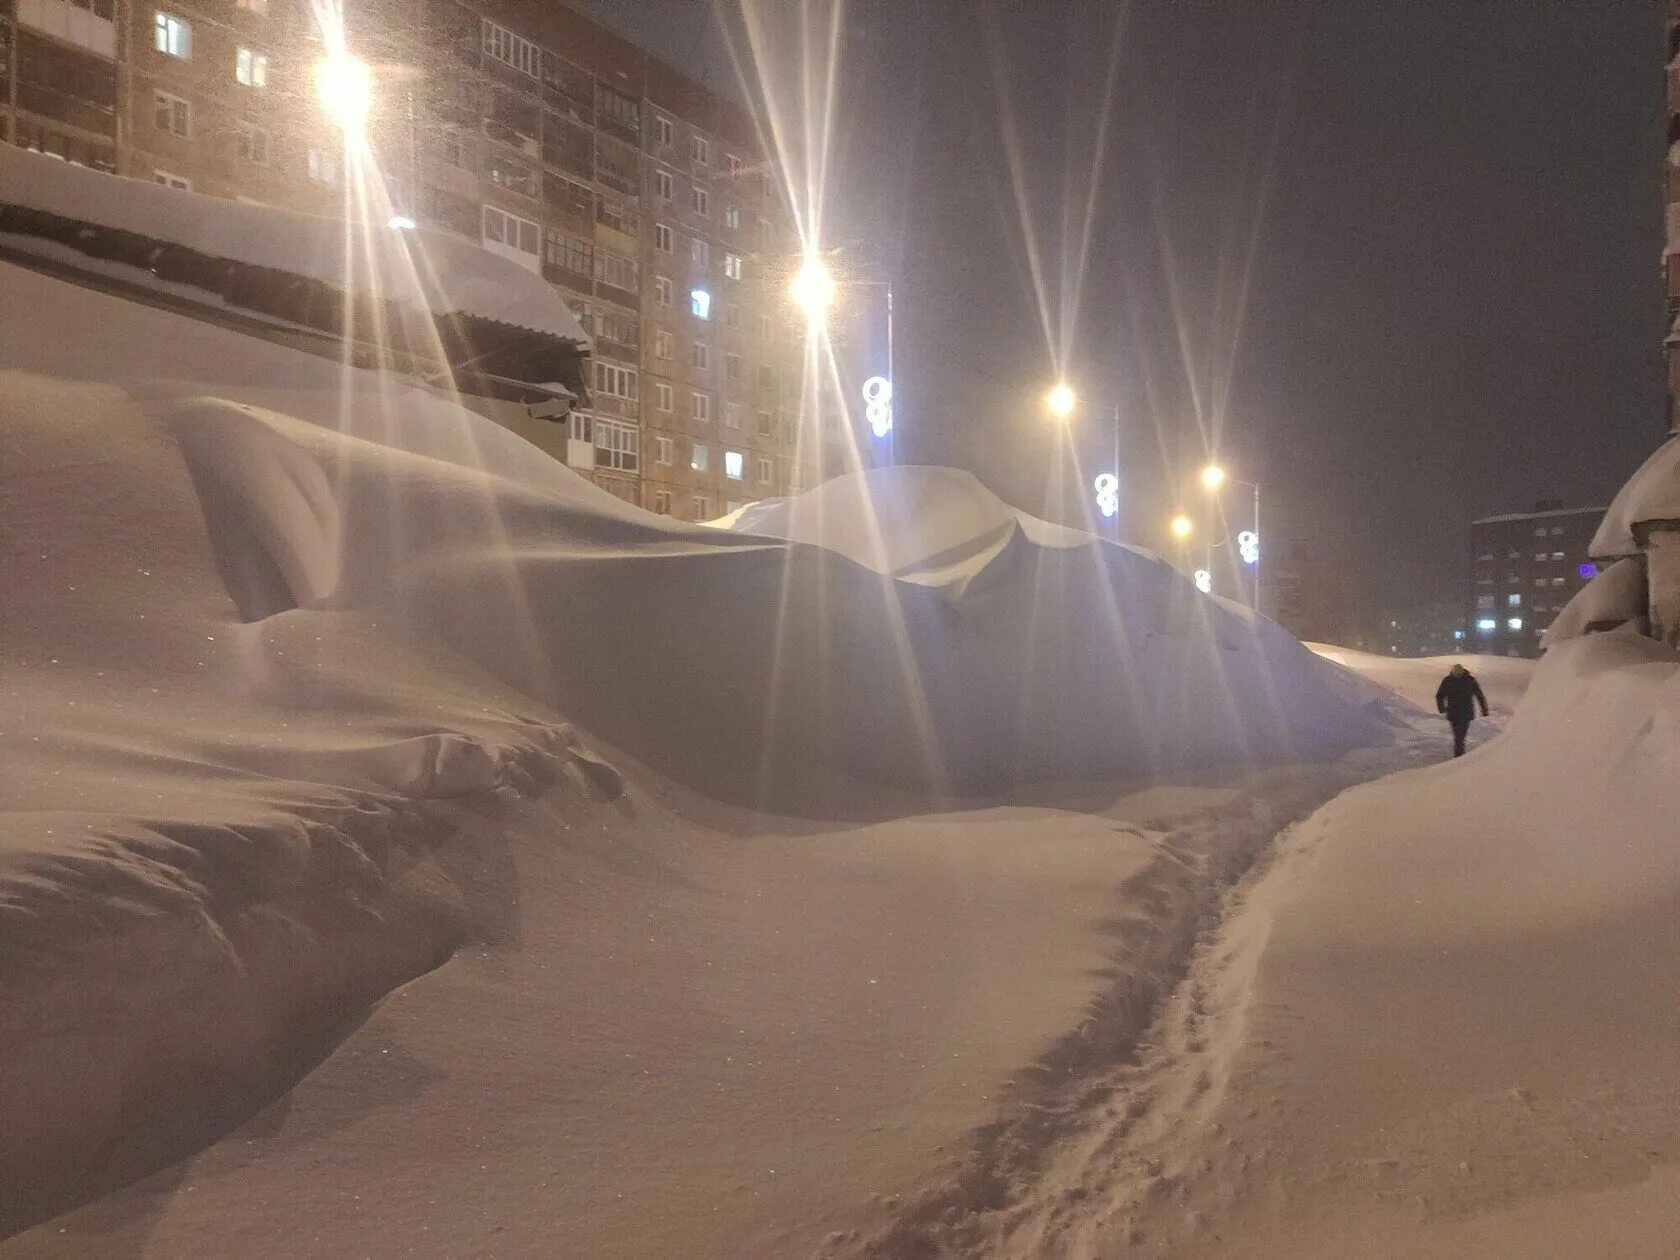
<point x="1457" y="697"/>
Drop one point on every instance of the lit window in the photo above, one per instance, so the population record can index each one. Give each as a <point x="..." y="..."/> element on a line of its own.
<point x="663" y="185"/>
<point x="734" y="465"/>
<point x="171" y="36"/>
<point x="1514" y="601"/>
<point x="251" y="68"/>
<point x="662" y="290"/>
<point x="732" y="266"/>
<point x="1514" y="623"/>
<point x="700" y="356"/>
<point x="1557" y="555"/>
<point x="700" y="303"/>
<point x="662" y="396"/>
<point x="172" y="114"/>
<point x="1557" y="581"/>
<point x="700" y="408"/>
<point x="664" y="450"/>
<point x="701" y="457"/>
<point x="701" y="202"/>
<point x="662" y="238"/>
<point x="1487" y="625"/>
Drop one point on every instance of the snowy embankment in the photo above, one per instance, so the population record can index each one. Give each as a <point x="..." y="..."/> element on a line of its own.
<point x="280" y="638"/>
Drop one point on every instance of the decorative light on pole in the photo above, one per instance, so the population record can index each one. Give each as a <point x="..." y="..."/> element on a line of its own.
<point x="1248" y="546"/>
<point x="1107" y="486"/>
<point x="1204" y="581"/>
<point x="1181" y="527"/>
<point x="1061" y="400"/>
<point x="1213" y="477"/>
<point x="877" y="405"/>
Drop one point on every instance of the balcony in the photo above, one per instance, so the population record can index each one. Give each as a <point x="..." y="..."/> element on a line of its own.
<point x="90" y="24"/>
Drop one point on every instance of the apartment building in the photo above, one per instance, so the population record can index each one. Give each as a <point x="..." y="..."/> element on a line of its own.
<point x="642" y="196"/>
<point x="1525" y="567"/>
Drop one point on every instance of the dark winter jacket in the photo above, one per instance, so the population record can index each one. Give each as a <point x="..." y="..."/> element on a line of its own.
<point x="1457" y="697"/>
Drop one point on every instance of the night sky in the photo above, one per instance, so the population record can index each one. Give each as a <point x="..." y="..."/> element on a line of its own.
<point x="1398" y="261"/>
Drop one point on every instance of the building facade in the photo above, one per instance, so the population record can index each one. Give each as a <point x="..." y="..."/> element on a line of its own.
<point x="1671" y="218"/>
<point x="643" y="197"/>
<point x="1525" y="567"/>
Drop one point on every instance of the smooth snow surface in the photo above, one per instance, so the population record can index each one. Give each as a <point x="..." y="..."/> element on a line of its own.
<point x="1504" y="679"/>
<point x="1616" y="597"/>
<point x="1651" y="494"/>
<point x="432" y="270"/>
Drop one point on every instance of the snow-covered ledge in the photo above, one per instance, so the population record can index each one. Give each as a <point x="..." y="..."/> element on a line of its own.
<point x="1644" y="522"/>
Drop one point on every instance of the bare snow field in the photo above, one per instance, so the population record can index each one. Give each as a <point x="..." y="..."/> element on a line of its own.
<point x="756" y="874"/>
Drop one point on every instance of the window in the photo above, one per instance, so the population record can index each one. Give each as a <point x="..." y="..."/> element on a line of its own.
<point x="616" y="445"/>
<point x="732" y="415"/>
<point x="513" y="176"/>
<point x="171" y="36"/>
<point x="662" y="501"/>
<point x="619" y="326"/>
<point x="662" y="290"/>
<point x="662" y="239"/>
<point x="701" y="509"/>
<point x="171" y="181"/>
<point x="1514" y="623"/>
<point x="732" y="367"/>
<point x="734" y="465"/>
<point x="700" y="356"/>
<point x="700" y="149"/>
<point x="662" y="129"/>
<point x="458" y="150"/>
<point x="568" y="252"/>
<point x="766" y="425"/>
<point x="732" y="217"/>
<point x="616" y="270"/>
<point x="583" y="427"/>
<point x="1540" y="532"/>
<point x="1557" y="581"/>
<point x="614" y="381"/>
<point x="700" y="201"/>
<point x="665" y="450"/>
<point x="510" y="49"/>
<point x="701" y="457"/>
<point x="701" y="252"/>
<point x="259" y="7"/>
<point x="766" y="471"/>
<point x="700" y="303"/>
<point x="613" y="213"/>
<point x="662" y="396"/>
<point x="1515" y="601"/>
<point x="501" y="227"/>
<point x="171" y="114"/>
<point x="732" y="316"/>
<point x="253" y="143"/>
<point x="664" y="185"/>
<point x="700" y="408"/>
<point x="251" y="68"/>
<point x="1557" y="529"/>
<point x="766" y="377"/>
<point x="732" y="266"/>
<point x="662" y="345"/>
<point x="1557" y="555"/>
<point x="764" y="327"/>
<point x="1484" y="603"/>
<point x="734" y="164"/>
<point x="323" y="167"/>
<point x="1540" y="581"/>
<point x="617" y="108"/>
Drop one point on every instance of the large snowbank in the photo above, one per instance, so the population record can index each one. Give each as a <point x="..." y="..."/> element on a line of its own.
<point x="1651" y="494"/>
<point x="426" y="269"/>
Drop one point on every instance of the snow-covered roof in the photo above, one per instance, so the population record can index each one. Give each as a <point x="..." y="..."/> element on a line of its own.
<point x="1537" y="516"/>
<point x="424" y="269"/>
<point x="1651" y="494"/>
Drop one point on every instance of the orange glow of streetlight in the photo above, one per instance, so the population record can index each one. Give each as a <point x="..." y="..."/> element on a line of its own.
<point x="812" y="288"/>
<point x="1181" y="526"/>
<point x="1213" y="476"/>
<point x="1061" y="400"/>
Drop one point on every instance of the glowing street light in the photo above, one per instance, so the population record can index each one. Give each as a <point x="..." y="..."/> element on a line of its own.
<point x="344" y="86"/>
<point x="812" y="288"/>
<point x="1213" y="476"/>
<point x="1061" y="400"/>
<point x="1181" y="527"/>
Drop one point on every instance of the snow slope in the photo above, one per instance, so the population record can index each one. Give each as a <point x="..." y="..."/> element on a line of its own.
<point x="1504" y="679"/>
<point x="279" y="637"/>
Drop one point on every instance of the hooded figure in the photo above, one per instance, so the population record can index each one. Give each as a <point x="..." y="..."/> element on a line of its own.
<point x="1457" y="697"/>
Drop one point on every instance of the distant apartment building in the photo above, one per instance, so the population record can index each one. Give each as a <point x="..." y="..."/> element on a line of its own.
<point x="1433" y="628"/>
<point x="1671" y="211"/>
<point x="644" y="198"/>
<point x="1525" y="567"/>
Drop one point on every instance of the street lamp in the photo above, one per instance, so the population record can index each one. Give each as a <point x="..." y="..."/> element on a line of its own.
<point x="1061" y="400"/>
<point x="1213" y="477"/>
<point x="1181" y="527"/>
<point x="812" y="288"/>
<point x="344" y="86"/>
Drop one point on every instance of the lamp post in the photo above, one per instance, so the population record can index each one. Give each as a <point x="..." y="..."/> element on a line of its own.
<point x="344" y="86"/>
<point x="1061" y="402"/>
<point x="1213" y="477"/>
<point x="813" y="289"/>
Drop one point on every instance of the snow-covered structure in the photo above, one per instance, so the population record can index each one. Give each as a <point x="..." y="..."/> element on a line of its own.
<point x="1642" y="529"/>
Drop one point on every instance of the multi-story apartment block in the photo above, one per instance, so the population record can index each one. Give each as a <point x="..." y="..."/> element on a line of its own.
<point x="1526" y="567"/>
<point x="643" y="197"/>
<point x="1671" y="210"/>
